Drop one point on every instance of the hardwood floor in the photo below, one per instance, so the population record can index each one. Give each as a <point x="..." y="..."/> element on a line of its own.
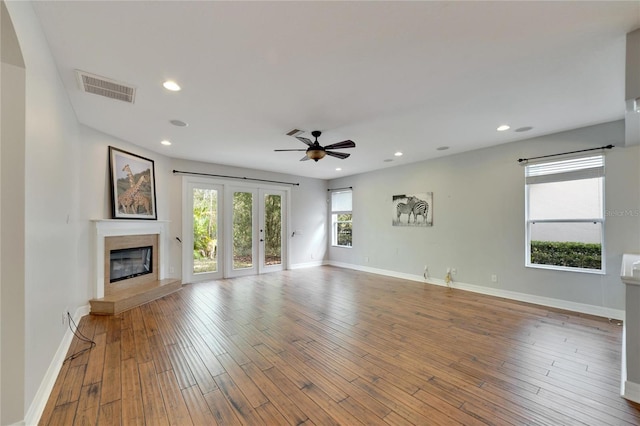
<point x="330" y="346"/>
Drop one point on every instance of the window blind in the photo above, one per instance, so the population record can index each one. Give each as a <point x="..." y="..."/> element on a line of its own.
<point x="564" y="170"/>
<point x="341" y="201"/>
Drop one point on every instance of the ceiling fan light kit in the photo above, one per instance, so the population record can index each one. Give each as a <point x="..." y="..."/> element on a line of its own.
<point x="316" y="152"/>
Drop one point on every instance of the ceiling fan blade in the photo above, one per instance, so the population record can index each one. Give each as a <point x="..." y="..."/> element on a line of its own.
<point x="340" y="155"/>
<point x="341" y="145"/>
<point x="305" y="158"/>
<point x="278" y="150"/>
<point x="304" y="140"/>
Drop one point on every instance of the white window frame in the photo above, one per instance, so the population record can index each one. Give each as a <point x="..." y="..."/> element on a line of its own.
<point x="568" y="169"/>
<point x="337" y="210"/>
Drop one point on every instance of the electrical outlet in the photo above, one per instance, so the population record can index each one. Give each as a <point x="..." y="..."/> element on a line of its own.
<point x="448" y="270"/>
<point x="454" y="271"/>
<point x="64" y="317"/>
<point x="494" y="278"/>
<point x="172" y="269"/>
<point x="366" y="259"/>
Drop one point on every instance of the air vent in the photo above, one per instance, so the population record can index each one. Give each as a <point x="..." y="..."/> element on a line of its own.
<point x="295" y="132"/>
<point x="91" y="83"/>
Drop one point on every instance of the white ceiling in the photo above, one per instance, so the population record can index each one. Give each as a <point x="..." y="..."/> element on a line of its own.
<point x="408" y="76"/>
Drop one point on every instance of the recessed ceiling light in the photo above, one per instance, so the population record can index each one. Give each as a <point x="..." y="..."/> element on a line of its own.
<point x="398" y="154"/>
<point x="523" y="129"/>
<point x="166" y="142"/>
<point x="503" y="128"/>
<point x="442" y="148"/>
<point x="178" y="123"/>
<point x="338" y="169"/>
<point x="171" y="85"/>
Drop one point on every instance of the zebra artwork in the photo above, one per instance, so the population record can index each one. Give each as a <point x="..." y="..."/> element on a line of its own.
<point x="417" y="204"/>
<point x="420" y="208"/>
<point x="406" y="208"/>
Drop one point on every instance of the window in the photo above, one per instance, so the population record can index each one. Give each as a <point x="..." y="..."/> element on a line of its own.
<point x="565" y="214"/>
<point x="341" y="218"/>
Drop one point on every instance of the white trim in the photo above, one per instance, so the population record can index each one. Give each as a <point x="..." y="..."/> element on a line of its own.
<point x="631" y="391"/>
<point x="623" y="361"/>
<point x="628" y="390"/>
<point x="307" y="264"/>
<point x="46" y="386"/>
<point x="600" y="311"/>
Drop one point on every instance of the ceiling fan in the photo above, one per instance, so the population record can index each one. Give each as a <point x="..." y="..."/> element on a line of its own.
<point x="316" y="152"/>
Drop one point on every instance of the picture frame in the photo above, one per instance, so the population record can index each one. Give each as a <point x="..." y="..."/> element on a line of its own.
<point x="133" y="186"/>
<point x="416" y="205"/>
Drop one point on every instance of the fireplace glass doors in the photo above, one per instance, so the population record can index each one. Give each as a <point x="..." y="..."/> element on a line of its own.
<point x="130" y="262"/>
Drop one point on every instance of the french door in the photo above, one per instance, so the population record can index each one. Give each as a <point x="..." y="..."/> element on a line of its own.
<point x="202" y="259"/>
<point x="257" y="231"/>
<point x="272" y="234"/>
<point x="230" y="231"/>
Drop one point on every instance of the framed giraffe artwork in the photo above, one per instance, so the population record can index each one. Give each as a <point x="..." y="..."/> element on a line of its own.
<point x="133" y="186"/>
<point x="412" y="209"/>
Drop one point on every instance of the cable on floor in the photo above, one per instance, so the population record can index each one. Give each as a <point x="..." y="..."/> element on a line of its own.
<point x="80" y="336"/>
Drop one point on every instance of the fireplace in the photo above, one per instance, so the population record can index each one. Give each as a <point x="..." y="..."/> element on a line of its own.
<point x="130" y="263"/>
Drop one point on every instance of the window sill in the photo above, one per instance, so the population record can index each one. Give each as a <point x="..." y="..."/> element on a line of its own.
<point x="348" y="247"/>
<point x="566" y="269"/>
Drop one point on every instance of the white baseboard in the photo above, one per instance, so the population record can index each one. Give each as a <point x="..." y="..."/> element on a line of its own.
<point x="507" y="294"/>
<point x="631" y="391"/>
<point x="46" y="386"/>
<point x="628" y="390"/>
<point x="623" y="361"/>
<point x="307" y="264"/>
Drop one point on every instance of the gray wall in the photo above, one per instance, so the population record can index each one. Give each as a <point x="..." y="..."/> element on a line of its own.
<point x="12" y="224"/>
<point x="478" y="215"/>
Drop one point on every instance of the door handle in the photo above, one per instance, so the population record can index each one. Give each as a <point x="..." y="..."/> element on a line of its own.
<point x="261" y="240"/>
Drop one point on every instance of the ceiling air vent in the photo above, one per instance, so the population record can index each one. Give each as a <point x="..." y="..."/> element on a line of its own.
<point x="91" y="83"/>
<point x="295" y="132"/>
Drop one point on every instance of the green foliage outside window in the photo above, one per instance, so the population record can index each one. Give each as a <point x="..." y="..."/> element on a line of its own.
<point x="205" y="232"/>
<point x="569" y="254"/>
<point x="344" y="229"/>
<point x="272" y="229"/>
<point x="242" y="229"/>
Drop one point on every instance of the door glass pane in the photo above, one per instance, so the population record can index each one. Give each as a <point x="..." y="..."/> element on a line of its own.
<point x="205" y="230"/>
<point x="272" y="229"/>
<point x="242" y="230"/>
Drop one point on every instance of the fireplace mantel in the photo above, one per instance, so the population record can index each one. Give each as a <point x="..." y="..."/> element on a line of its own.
<point x="118" y="227"/>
